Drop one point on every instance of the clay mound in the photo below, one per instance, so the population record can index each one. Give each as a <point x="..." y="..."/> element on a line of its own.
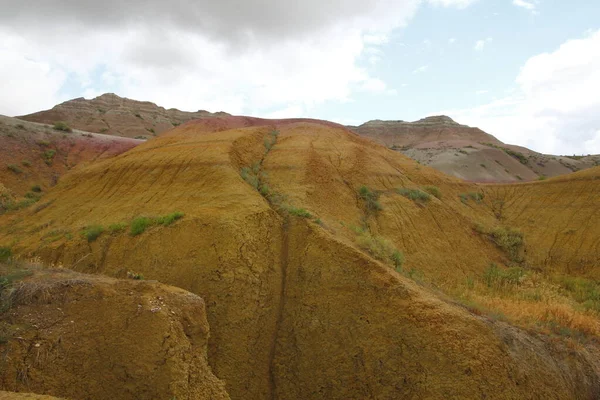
<point x="274" y="234"/>
<point x="33" y="154"/>
<point x="469" y="153"/>
<point x="90" y="337"/>
<point x="114" y="115"/>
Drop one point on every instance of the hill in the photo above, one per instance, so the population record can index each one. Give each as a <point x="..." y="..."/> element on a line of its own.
<point x="118" y="116"/>
<point x="469" y="153"/>
<point x="334" y="267"/>
<point x="33" y="157"/>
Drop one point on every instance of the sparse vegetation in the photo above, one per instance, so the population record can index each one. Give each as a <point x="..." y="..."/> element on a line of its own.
<point x="26" y="163"/>
<point x="415" y="195"/>
<point x="464" y="198"/>
<point x="169" y="219"/>
<point x="92" y="232"/>
<point x="299" y="212"/>
<point x="379" y="247"/>
<point x="36" y="189"/>
<point x="434" y="191"/>
<point x="139" y="225"/>
<point x="14" y="168"/>
<point x="509" y="240"/>
<point x="138" y="115"/>
<point x="397" y="259"/>
<point x="62" y="126"/>
<point x="371" y="199"/>
<point x="542" y="177"/>
<point x="20" y="126"/>
<point x="476" y="196"/>
<point x="135" y="276"/>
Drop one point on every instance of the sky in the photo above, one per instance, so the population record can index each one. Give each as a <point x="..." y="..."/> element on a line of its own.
<point x="526" y="71"/>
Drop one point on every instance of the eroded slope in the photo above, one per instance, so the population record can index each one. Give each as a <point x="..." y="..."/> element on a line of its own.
<point x="280" y="239"/>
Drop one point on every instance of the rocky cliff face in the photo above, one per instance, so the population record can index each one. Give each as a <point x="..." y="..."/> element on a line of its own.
<point x="114" y="115"/>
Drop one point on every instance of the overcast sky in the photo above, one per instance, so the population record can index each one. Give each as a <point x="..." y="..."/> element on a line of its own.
<point x="527" y="71"/>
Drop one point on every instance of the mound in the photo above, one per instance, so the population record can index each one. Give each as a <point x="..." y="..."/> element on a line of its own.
<point x="292" y="232"/>
<point x="34" y="155"/>
<point x="469" y="153"/>
<point x="89" y="337"/>
<point x="114" y="115"/>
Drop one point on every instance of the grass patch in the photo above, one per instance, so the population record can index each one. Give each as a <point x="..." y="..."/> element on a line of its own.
<point x="14" y="168"/>
<point x="497" y="278"/>
<point x="586" y="292"/>
<point x="26" y="163"/>
<point x="371" y="199"/>
<point x="62" y="126"/>
<point x="139" y="225"/>
<point x="477" y="197"/>
<point x="118" y="227"/>
<point x="380" y="248"/>
<point x="168" y="219"/>
<point x="92" y="232"/>
<point x="510" y="241"/>
<point x="434" y="191"/>
<point x="416" y="195"/>
<point x="299" y="212"/>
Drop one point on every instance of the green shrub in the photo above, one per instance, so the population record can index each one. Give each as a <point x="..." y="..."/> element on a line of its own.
<point x="26" y="163"/>
<point x="135" y="276"/>
<point x="510" y="241"/>
<point x="20" y="126"/>
<point x="371" y="199"/>
<point x="138" y="115"/>
<point x="5" y="253"/>
<point x="36" y="188"/>
<point x="379" y="248"/>
<point x="117" y="227"/>
<point x="476" y="196"/>
<point x="32" y="195"/>
<point x="299" y="212"/>
<point x="464" y="198"/>
<point x="43" y="143"/>
<point x="48" y="155"/>
<point x="542" y="177"/>
<point x="584" y="291"/>
<point x="414" y="195"/>
<point x="92" y="232"/>
<point x="519" y="156"/>
<point x="167" y="220"/>
<point x="62" y="126"/>
<point x="434" y="191"/>
<point x="139" y="225"/>
<point x="14" y="168"/>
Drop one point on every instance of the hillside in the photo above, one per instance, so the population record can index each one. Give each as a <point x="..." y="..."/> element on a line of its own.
<point x="114" y="115"/>
<point x="469" y="153"/>
<point x="35" y="156"/>
<point x="333" y="267"/>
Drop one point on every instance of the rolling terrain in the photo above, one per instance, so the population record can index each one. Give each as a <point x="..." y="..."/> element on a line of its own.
<point x="469" y="153"/>
<point x="334" y="267"/>
<point x="118" y="116"/>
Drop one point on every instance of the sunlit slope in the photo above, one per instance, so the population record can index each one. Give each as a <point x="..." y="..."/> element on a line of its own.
<point x="296" y="306"/>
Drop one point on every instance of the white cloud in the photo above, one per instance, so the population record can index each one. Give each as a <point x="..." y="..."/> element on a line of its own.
<point x="421" y="69"/>
<point x="525" y="4"/>
<point x="555" y="109"/>
<point x="454" y="3"/>
<point x="480" y="44"/>
<point x="451" y="40"/>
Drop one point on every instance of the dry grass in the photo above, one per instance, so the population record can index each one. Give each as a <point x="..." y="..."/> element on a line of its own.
<point x="532" y="301"/>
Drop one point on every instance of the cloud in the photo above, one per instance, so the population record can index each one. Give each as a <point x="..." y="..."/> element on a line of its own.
<point x="263" y="56"/>
<point x="480" y="44"/>
<point x="524" y="4"/>
<point x="421" y="69"/>
<point x="555" y="109"/>
<point x="451" y="40"/>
